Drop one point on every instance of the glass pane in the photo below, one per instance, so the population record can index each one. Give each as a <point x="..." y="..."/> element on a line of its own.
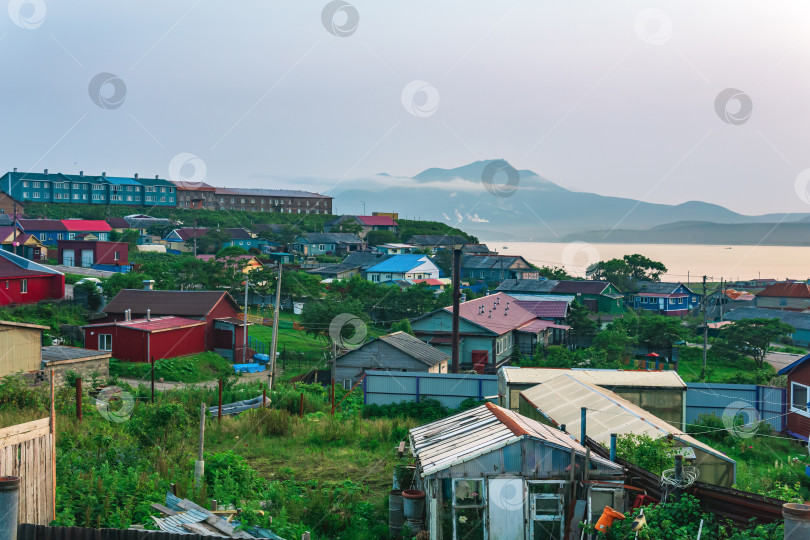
<point x="550" y="488"/>
<point x="799" y="400"/>
<point x="546" y="530"/>
<point x="469" y="492"/>
<point x="545" y="507"/>
<point x="470" y="525"/>
<point x="599" y="500"/>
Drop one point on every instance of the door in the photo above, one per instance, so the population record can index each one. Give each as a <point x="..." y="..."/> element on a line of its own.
<point x="546" y="510"/>
<point x="506" y="507"/>
<point x="69" y="257"/>
<point x="479" y="360"/>
<point x="87" y="258"/>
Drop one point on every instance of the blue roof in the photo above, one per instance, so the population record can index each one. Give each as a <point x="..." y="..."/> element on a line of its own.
<point x="787" y="369"/>
<point x="400" y="263"/>
<point x="120" y="180"/>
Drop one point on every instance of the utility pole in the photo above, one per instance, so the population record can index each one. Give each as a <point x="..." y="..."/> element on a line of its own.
<point x="705" y="329"/>
<point x="195" y="237"/>
<point x="274" y="344"/>
<point x="245" y="329"/>
<point x="14" y="242"/>
<point x="722" y="298"/>
<point x="456" y="301"/>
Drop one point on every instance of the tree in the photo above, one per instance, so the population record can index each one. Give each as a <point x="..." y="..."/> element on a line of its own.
<point x="625" y="272"/>
<point x="553" y="272"/>
<point x="402" y="326"/>
<point x="658" y="332"/>
<point x="91" y="292"/>
<point x="616" y="343"/>
<point x="118" y="281"/>
<point x="581" y="325"/>
<point x="350" y="226"/>
<point x="752" y="337"/>
<point x="231" y="251"/>
<point x="210" y="242"/>
<point x="375" y="238"/>
<point x="320" y="318"/>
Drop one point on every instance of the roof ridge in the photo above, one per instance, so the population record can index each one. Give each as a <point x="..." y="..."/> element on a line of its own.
<point x="507" y="420"/>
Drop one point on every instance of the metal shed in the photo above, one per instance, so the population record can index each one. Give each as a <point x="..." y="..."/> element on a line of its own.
<point x="490" y="473"/>
<point x="560" y="401"/>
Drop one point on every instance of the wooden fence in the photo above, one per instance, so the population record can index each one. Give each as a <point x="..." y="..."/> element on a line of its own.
<point x="26" y="450"/>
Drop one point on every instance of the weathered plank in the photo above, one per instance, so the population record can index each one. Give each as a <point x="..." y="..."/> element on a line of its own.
<point x="25" y="451"/>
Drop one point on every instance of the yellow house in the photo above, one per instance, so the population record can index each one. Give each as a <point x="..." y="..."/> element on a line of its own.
<point x="23" y="244"/>
<point x="20" y="347"/>
<point x="248" y="262"/>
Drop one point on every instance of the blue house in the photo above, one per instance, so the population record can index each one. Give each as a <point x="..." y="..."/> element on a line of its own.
<point x="50" y="231"/>
<point x="86" y="189"/>
<point x="674" y="299"/>
<point x="398" y="267"/>
<point x="243" y="239"/>
<point x="328" y="243"/>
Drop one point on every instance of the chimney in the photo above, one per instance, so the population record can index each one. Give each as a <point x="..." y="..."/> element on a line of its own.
<point x="157" y="177"/>
<point x="490" y="313"/>
<point x="15" y="169"/>
<point x="148" y="314"/>
<point x="127" y="315"/>
<point x="46" y="172"/>
<point x="104" y="175"/>
<point x="81" y="173"/>
<point x="136" y="176"/>
<point x="148" y="284"/>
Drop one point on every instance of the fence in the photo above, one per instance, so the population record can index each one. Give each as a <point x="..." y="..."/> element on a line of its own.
<point x="714" y="398"/>
<point x="384" y="387"/>
<point x="26" y="451"/>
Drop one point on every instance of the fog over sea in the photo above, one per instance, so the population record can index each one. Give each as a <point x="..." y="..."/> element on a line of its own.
<point x="683" y="261"/>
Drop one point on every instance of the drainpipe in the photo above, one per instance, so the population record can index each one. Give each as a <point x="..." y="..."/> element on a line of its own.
<point x="10" y="503"/>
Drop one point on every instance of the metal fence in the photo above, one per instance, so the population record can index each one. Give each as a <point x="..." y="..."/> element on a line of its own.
<point x="714" y="398"/>
<point x="385" y="387"/>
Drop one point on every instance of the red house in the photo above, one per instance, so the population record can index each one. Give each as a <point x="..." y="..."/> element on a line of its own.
<point x="26" y="282"/>
<point x="93" y="253"/>
<point x="224" y="328"/>
<point x="798" y="398"/>
<point x="140" y="340"/>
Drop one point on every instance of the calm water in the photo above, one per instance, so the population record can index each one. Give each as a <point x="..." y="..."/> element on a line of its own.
<point x="682" y="261"/>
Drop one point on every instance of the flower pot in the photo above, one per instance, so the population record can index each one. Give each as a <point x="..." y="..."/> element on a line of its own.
<point x="413" y="503"/>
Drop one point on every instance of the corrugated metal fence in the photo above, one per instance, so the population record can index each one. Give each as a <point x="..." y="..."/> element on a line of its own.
<point x="384" y="387"/>
<point x="715" y="398"/>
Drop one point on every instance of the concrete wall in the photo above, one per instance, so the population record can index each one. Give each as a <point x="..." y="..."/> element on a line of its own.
<point x="82" y="367"/>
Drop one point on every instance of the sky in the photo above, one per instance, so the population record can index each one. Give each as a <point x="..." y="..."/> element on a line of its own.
<point x="662" y="101"/>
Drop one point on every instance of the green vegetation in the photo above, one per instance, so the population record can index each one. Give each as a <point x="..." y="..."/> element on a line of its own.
<point x="751" y="338"/>
<point x="624" y="273"/>
<point x="207" y="366"/>
<point x="721" y="368"/>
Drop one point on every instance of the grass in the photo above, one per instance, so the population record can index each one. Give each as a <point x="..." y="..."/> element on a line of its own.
<point x="207" y="366"/>
<point x="791" y="349"/>
<point x="742" y="370"/>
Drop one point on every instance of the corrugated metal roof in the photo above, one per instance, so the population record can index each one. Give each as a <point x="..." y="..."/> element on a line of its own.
<point x="182" y="303"/>
<point x="383" y="221"/>
<point x="415" y="348"/>
<point x="56" y="353"/>
<point x="786" y="290"/>
<point x="154" y="324"/>
<point x="28" y="531"/>
<point x="557" y="309"/>
<point x="607" y="377"/>
<point x="175" y="523"/>
<point x="562" y="398"/>
<point x="475" y="432"/>
<point x="401" y="263"/>
<point x="799" y="321"/>
<point x="500" y="313"/>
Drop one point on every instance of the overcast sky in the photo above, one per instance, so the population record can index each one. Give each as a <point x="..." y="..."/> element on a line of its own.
<point x="616" y="98"/>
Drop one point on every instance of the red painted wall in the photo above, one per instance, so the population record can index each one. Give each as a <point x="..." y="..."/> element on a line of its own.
<point x="50" y="287"/>
<point x="796" y="422"/>
<point x="132" y="345"/>
<point x="222" y="310"/>
<point x="103" y="252"/>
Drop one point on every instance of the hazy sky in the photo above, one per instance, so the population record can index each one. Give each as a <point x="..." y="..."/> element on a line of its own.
<point x="615" y="98"/>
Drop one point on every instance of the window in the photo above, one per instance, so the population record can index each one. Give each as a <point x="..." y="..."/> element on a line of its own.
<point x="43" y="236"/>
<point x="25" y="184"/>
<point x="129" y="197"/>
<point x="71" y="236"/>
<point x="243" y="201"/>
<point x="59" y="236"/>
<point x="469" y="507"/>
<point x="36" y="184"/>
<point x="253" y="201"/>
<point x="117" y="256"/>
<point x="347" y="384"/>
<point x="36" y="194"/>
<point x="546" y="502"/>
<point x="25" y="194"/>
<point x="105" y="342"/>
<point x="75" y="196"/>
<point x="321" y="247"/>
<point x="23" y="285"/>
<point x="799" y="395"/>
<point x="163" y="190"/>
<point x="102" y="236"/>
<point x="163" y="199"/>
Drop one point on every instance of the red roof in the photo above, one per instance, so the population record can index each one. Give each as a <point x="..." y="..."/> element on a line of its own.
<point x="155" y="324"/>
<point x="94" y="225"/>
<point x="786" y="290"/>
<point x="491" y="313"/>
<point x="429" y="281"/>
<point x="384" y="221"/>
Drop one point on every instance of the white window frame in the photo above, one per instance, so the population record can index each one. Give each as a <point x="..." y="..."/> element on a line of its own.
<point x="23" y="286"/>
<point x="107" y="342"/>
<point x="807" y="395"/>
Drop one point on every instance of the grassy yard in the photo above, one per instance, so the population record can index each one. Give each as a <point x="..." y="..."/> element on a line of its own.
<point x="690" y="365"/>
<point x="207" y="366"/>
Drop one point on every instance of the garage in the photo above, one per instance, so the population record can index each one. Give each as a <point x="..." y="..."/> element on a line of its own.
<point x="87" y="258"/>
<point x="69" y="257"/>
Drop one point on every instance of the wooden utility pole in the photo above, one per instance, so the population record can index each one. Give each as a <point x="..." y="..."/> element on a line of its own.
<point x="705" y="329"/>
<point x="456" y="301"/>
<point x="274" y="342"/>
<point x="245" y="329"/>
<point x="722" y="297"/>
<point x="153" y="379"/>
<point x="199" y="466"/>
<point x="79" y="399"/>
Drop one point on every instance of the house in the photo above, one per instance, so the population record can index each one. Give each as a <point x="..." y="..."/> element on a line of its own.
<point x="548" y="310"/>
<point x="365" y="260"/>
<point x="196" y="195"/>
<point x="491" y="329"/>
<point x="411" y="266"/>
<point x="787" y="296"/>
<point x="21" y="344"/>
<point x="13" y="239"/>
<point x="799" y="321"/>
<point x="489" y="472"/>
<point x="283" y="201"/>
<point x="248" y="263"/>
<point x="118" y="224"/>
<point x="497" y="267"/>
<point x="50" y="231"/>
<point x="435" y="242"/>
<point x="141" y="340"/>
<point x="674" y="299"/>
<point x="376" y="223"/>
<point x="597" y="296"/>
<point x="10" y="206"/>
<point x="477" y="249"/>
<point x="798" y="398"/>
<point x="337" y="271"/>
<point x="399" y="351"/>
<point x="177" y="240"/>
<point x="434" y="284"/>
<point x="217" y="308"/>
<point x="110" y="256"/>
<point x="663" y="393"/>
<point x="328" y="243"/>
<point x="560" y="401"/>
<point x="86" y="189"/>
<point x="25" y="282"/>
<point x="85" y="363"/>
<point x="722" y="301"/>
<point x="243" y="239"/>
<point x="396" y="249"/>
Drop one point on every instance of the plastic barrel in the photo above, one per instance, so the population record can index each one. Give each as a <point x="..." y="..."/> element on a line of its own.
<point x="395" y="515"/>
<point x="9" y="505"/>
<point x="413" y="504"/>
<point x="797" y="521"/>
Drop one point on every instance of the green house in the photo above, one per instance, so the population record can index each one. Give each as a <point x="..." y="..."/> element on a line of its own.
<point x="597" y="296"/>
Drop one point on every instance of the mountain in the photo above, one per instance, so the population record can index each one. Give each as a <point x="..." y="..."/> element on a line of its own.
<point x="534" y="208"/>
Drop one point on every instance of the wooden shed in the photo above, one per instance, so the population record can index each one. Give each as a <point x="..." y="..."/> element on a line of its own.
<point x="20" y="347"/>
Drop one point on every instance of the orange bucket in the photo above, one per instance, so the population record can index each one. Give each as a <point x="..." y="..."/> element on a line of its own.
<point x="606" y="521"/>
